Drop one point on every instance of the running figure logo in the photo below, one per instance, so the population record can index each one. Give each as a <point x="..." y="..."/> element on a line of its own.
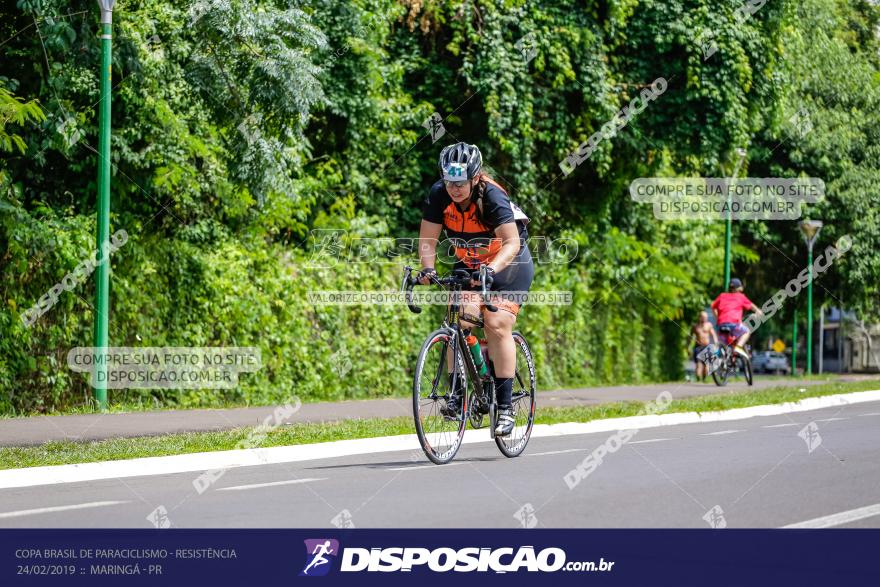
<point x="317" y="551"/>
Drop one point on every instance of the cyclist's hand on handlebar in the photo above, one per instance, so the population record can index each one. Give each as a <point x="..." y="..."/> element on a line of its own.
<point x="490" y="277"/>
<point x="423" y="276"/>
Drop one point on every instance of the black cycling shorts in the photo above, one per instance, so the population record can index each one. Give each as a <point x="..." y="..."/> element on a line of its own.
<point x="516" y="277"/>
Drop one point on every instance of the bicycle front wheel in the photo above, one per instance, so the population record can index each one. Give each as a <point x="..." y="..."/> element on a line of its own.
<point x="524" y="401"/>
<point x="745" y="367"/>
<point x="440" y="432"/>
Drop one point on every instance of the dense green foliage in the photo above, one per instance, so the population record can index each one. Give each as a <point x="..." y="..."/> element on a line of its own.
<point x="242" y="125"/>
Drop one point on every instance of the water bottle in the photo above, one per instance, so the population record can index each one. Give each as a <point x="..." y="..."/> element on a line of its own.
<point x="477" y="354"/>
<point x="484" y="348"/>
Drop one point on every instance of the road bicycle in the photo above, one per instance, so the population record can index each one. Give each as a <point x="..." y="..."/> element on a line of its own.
<point x="446" y="363"/>
<point x="723" y="363"/>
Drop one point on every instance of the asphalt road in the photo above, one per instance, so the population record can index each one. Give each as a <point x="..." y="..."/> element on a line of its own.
<point x="756" y="472"/>
<point x="84" y="427"/>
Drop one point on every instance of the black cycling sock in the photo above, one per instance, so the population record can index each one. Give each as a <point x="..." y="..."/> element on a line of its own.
<point x="504" y="391"/>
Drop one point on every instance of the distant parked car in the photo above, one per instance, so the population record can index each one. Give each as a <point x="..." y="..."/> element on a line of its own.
<point x="770" y="361"/>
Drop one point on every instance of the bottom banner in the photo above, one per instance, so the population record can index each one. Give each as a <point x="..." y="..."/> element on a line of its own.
<point x="511" y="557"/>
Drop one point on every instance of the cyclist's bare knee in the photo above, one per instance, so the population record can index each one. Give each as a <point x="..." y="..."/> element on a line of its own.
<point x="499" y="323"/>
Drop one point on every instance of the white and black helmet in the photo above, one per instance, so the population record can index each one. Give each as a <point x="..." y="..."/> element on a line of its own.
<point x="460" y="162"/>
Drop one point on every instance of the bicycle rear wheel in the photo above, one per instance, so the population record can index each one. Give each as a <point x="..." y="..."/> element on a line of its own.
<point x="440" y="436"/>
<point x="524" y="401"/>
<point x="721" y="374"/>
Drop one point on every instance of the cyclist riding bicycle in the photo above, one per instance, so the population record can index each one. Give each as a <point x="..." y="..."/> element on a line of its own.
<point x="486" y="229"/>
<point x="728" y="308"/>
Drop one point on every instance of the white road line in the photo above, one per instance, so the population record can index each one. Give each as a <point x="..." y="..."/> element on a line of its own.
<point x="647" y="441"/>
<point x="271" y="484"/>
<point x="870" y="414"/>
<point x="410" y="468"/>
<point x="841" y="518"/>
<point x="830" y="419"/>
<point x="781" y="425"/>
<point x="555" y="452"/>
<point x="59" y="508"/>
<point x="228" y="459"/>
<point x="720" y="432"/>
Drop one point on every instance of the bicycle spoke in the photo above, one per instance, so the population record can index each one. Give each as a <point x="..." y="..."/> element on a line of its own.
<point x="519" y="379"/>
<point x="440" y="367"/>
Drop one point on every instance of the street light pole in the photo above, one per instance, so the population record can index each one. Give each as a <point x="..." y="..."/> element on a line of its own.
<point x="809" y="370"/>
<point x="728" y="228"/>
<point x="821" y="336"/>
<point x="102" y="273"/>
<point x="794" y="345"/>
<point x="810" y="229"/>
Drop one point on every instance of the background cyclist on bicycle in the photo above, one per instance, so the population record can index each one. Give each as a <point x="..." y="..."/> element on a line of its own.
<point x="728" y="308"/>
<point x="485" y="228"/>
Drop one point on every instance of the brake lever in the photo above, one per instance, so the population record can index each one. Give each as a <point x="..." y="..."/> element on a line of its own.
<point x="407" y="287"/>
<point x="485" y="294"/>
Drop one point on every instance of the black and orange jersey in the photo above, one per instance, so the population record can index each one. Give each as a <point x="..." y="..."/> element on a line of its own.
<point x="474" y="241"/>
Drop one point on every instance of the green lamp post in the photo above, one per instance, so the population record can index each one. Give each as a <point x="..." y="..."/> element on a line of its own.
<point x="102" y="273"/>
<point x="794" y="344"/>
<point x="728" y="226"/>
<point x="810" y="229"/>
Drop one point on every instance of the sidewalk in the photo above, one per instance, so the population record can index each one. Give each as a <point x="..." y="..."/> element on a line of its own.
<point x="40" y="429"/>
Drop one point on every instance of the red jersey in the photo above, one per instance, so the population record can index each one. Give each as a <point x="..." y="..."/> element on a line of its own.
<point x="731" y="306"/>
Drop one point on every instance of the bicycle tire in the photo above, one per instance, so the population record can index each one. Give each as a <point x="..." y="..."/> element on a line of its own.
<point x="720" y="375"/>
<point x="524" y="401"/>
<point x="430" y="438"/>
<point x="746" y="368"/>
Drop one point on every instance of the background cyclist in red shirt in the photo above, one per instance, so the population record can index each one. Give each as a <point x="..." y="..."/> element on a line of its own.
<point x="728" y="308"/>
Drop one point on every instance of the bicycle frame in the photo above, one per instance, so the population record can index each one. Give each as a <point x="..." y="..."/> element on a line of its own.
<point x="452" y="323"/>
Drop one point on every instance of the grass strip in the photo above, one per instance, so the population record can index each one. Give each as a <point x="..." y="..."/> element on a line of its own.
<point x="68" y="452"/>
